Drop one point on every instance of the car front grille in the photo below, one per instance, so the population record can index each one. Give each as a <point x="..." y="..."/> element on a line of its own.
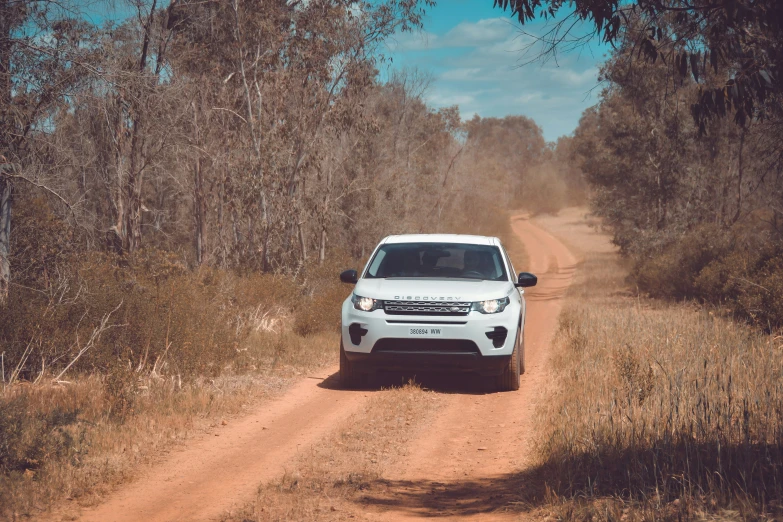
<point x="425" y="346"/>
<point x="426" y="307"/>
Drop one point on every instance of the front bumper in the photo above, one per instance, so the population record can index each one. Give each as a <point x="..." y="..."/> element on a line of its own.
<point x="430" y="362"/>
<point x="472" y="343"/>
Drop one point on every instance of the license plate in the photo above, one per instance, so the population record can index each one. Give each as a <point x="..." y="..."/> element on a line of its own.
<point x="425" y="332"/>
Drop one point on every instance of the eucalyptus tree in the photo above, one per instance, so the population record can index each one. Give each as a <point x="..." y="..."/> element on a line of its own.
<point x="277" y="80"/>
<point x="45" y="54"/>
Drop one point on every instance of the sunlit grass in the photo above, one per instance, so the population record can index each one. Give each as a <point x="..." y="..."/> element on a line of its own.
<point x="657" y="410"/>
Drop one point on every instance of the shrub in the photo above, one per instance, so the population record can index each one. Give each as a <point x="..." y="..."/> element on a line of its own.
<point x="158" y="314"/>
<point x="320" y="307"/>
<point x="743" y="272"/>
<point x="671" y="270"/>
<point x="29" y="436"/>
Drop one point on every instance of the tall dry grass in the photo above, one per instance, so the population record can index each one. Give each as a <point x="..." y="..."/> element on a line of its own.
<point x="63" y="441"/>
<point x="659" y="411"/>
<point x="184" y="350"/>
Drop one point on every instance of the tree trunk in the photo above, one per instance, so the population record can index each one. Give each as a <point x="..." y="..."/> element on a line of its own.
<point x="322" y="250"/>
<point x="740" y="173"/>
<point x="135" y="182"/>
<point x="133" y="210"/>
<point x="5" y="238"/>
<point x="302" y="243"/>
<point x="199" y="199"/>
<point x="200" y="213"/>
<point x="6" y="123"/>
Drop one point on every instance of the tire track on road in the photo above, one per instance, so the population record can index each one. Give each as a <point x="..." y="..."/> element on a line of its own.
<point x="480" y="439"/>
<point x="215" y="474"/>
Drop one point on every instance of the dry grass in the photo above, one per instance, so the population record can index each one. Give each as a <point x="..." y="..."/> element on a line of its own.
<point x="79" y="411"/>
<point x="328" y="479"/>
<point x="67" y="441"/>
<point x="658" y="411"/>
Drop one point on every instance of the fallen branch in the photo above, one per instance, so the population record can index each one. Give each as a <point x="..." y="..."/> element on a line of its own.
<point x="96" y="335"/>
<point x="15" y="373"/>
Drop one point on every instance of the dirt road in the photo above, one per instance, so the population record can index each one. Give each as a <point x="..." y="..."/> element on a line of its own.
<point x="461" y="467"/>
<point x="475" y="440"/>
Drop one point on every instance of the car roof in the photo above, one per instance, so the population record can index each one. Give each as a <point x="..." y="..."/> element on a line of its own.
<point x="442" y="238"/>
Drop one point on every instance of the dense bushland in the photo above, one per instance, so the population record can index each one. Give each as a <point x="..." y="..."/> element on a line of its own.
<point x="699" y="215"/>
<point x="684" y="151"/>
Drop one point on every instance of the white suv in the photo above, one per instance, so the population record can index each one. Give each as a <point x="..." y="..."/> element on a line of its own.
<point x="435" y="302"/>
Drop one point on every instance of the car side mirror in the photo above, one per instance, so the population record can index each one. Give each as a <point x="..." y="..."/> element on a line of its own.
<point x="526" y="279"/>
<point x="349" y="276"/>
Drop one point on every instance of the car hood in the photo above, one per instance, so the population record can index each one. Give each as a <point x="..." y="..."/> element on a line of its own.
<point x="421" y="289"/>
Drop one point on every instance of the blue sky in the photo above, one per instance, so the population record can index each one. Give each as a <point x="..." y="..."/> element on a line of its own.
<point x="476" y="56"/>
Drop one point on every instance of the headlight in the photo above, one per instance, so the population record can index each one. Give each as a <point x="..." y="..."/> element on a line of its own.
<point x="366" y="304"/>
<point x="491" y="306"/>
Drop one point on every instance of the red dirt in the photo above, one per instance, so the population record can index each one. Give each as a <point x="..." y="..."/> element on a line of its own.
<point x="218" y="473"/>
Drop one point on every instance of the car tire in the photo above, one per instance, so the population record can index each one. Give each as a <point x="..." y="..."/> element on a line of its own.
<point x="350" y="378"/>
<point x="521" y="352"/>
<point x="509" y="379"/>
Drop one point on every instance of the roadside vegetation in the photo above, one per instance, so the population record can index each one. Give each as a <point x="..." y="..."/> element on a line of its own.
<point x="666" y="402"/>
<point x="693" y="202"/>
<point x="657" y="411"/>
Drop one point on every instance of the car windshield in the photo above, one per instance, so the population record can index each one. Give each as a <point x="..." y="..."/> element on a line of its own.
<point x="437" y="260"/>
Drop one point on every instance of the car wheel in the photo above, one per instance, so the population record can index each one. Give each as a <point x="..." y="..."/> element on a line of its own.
<point x="522" y="353"/>
<point x="509" y="379"/>
<point x="349" y="377"/>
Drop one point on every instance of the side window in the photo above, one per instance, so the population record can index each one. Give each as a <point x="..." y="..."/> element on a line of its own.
<point x="376" y="262"/>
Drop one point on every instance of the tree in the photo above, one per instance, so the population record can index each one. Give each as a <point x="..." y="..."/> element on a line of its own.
<point x="733" y="48"/>
<point x="684" y="207"/>
<point x="286" y="77"/>
<point x="44" y="53"/>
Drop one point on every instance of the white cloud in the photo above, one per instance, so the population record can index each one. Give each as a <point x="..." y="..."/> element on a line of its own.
<point x="441" y="99"/>
<point x="470" y="34"/>
<point x="529" y="97"/>
<point x="476" y="65"/>
<point x="466" y="34"/>
<point x="572" y="78"/>
<point x="462" y="73"/>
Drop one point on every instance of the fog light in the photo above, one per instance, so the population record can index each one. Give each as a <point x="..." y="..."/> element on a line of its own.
<point x="356" y="332"/>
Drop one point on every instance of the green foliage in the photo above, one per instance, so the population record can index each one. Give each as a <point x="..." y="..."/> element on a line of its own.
<point x="732" y="47"/>
<point x="699" y="216"/>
